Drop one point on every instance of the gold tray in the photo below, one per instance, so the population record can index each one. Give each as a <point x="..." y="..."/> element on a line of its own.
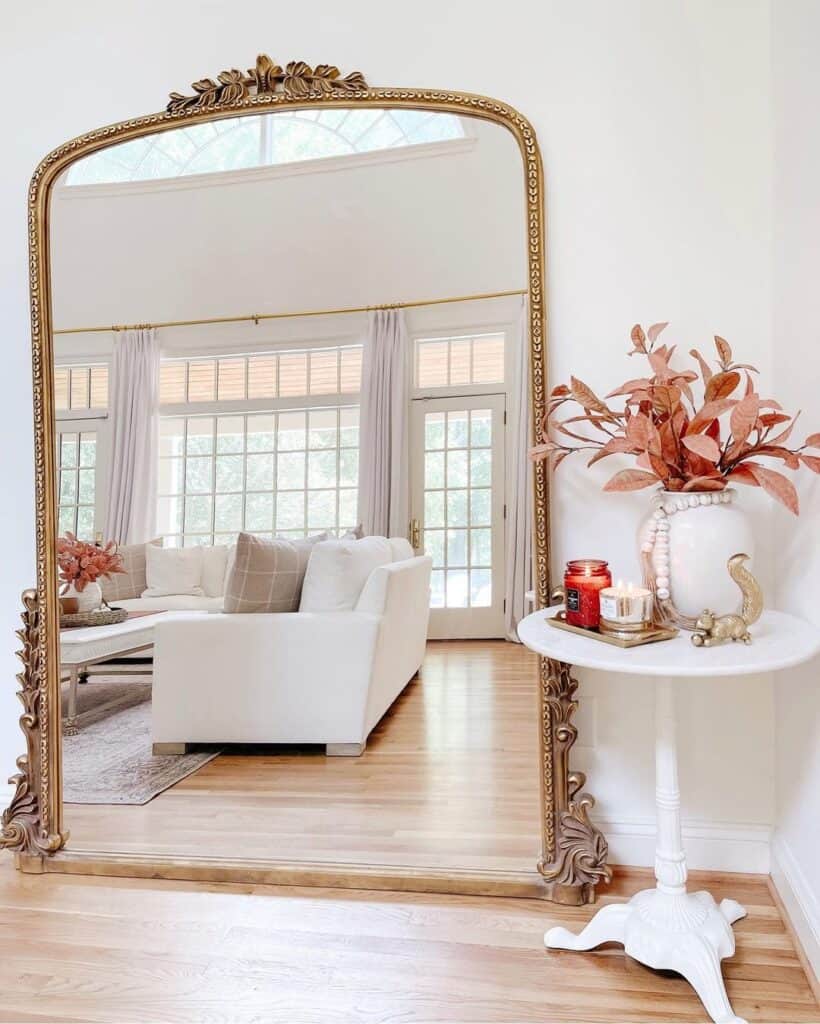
<point x="651" y="635"/>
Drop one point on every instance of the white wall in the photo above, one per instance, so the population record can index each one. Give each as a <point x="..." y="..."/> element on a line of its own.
<point x="404" y="228"/>
<point x="654" y="124"/>
<point x="796" y="335"/>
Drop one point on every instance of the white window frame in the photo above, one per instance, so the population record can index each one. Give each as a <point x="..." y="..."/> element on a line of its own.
<point x="248" y="407"/>
<point x="74" y="422"/>
<point x="447" y="333"/>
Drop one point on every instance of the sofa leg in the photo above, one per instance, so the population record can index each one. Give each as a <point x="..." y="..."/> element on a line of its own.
<point x="345" y="749"/>
<point x="162" y="749"/>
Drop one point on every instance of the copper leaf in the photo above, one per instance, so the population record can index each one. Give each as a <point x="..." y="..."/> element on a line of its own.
<point x="705" y="483"/>
<point x="744" y="417"/>
<point x="613" y="446"/>
<point x="630" y="480"/>
<point x="710" y="412"/>
<point x="704" y="446"/>
<point x="742" y="474"/>
<point x="778" y="486"/>
<point x="721" y="385"/>
<point x="586" y="397"/>
<point x="724" y="351"/>
<point x="704" y="366"/>
<point x="638" y="338"/>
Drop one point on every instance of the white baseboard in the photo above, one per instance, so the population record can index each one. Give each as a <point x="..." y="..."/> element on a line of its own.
<point x="710" y="845"/>
<point x="801" y="904"/>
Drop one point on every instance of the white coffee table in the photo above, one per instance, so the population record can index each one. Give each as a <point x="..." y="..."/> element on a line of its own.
<point x="668" y="928"/>
<point x="91" y="645"/>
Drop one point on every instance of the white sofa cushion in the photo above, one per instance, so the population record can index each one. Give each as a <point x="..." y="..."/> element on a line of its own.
<point x="337" y="571"/>
<point x="173" y="571"/>
<point x="401" y="548"/>
<point x="214" y="569"/>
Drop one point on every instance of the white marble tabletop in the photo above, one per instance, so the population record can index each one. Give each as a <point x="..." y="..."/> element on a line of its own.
<point x="778" y="641"/>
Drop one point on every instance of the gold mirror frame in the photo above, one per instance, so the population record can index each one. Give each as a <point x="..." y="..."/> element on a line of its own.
<point x="574" y="852"/>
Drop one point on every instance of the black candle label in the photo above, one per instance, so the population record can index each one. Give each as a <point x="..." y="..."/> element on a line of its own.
<point x="573" y="599"/>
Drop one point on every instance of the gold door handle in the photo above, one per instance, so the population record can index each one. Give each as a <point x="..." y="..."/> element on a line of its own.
<point x="415" y="534"/>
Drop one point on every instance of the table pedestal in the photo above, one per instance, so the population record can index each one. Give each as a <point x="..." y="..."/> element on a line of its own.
<point x="668" y="928"/>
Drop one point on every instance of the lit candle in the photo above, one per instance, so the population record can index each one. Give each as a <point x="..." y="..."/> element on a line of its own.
<point x="584" y="580"/>
<point x="625" y="609"/>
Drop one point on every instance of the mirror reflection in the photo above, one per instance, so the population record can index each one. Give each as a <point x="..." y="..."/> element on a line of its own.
<point x="291" y="398"/>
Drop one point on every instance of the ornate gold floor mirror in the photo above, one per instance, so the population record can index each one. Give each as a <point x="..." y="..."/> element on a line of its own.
<point x="573" y="854"/>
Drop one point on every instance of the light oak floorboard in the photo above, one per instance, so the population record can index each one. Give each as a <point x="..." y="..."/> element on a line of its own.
<point x="100" y="949"/>
<point x="449" y="779"/>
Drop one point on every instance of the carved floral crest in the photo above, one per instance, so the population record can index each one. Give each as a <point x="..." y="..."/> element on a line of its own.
<point x="297" y="80"/>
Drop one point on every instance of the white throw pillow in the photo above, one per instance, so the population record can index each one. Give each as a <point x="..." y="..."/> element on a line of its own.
<point x="173" y="571"/>
<point x="402" y="549"/>
<point x="337" y="571"/>
<point x="214" y="568"/>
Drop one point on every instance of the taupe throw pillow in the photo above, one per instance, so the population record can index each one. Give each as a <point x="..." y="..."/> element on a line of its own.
<point x="124" y="586"/>
<point x="267" y="575"/>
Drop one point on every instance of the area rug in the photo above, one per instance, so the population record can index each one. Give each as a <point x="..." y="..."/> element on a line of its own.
<point x="110" y="761"/>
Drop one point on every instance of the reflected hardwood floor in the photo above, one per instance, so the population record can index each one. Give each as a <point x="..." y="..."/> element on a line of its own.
<point x="110" y="949"/>
<point x="449" y="779"/>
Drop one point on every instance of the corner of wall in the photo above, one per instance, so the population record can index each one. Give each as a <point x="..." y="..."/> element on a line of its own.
<point x="799" y="901"/>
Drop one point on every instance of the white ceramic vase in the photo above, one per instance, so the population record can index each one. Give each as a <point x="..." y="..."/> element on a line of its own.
<point x="89" y="599"/>
<point x="689" y="539"/>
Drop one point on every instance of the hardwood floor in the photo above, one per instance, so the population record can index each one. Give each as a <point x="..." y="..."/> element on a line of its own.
<point x="105" y="949"/>
<point x="449" y="779"/>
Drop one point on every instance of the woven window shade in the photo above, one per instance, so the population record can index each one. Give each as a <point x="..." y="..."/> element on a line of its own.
<point x="202" y="381"/>
<point x="231" y="380"/>
<point x="79" y="387"/>
<point x="262" y="377"/>
<point x="99" y="387"/>
<point x="172" y="382"/>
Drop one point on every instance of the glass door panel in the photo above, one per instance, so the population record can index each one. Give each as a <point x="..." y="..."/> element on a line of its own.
<point x="458" y="487"/>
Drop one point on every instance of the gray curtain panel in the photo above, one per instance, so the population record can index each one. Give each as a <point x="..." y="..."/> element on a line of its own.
<point x="384" y="472"/>
<point x="518" y="560"/>
<point x="134" y="419"/>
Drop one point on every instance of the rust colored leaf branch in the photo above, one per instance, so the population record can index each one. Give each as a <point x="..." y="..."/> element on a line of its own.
<point x="675" y="439"/>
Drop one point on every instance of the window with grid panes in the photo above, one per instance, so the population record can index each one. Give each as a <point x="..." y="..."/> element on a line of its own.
<point x="282" y="471"/>
<point x="285" y="374"/>
<point x="451" y="362"/>
<point x="80" y="387"/>
<point x="288" y="473"/>
<point x="76" y="481"/>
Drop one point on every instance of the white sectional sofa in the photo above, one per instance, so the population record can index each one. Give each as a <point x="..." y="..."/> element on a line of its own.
<point x="323" y="677"/>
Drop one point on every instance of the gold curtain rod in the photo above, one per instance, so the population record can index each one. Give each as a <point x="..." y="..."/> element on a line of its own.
<point x="256" y="317"/>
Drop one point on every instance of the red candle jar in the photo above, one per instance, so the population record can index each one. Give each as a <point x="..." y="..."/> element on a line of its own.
<point x="584" y="579"/>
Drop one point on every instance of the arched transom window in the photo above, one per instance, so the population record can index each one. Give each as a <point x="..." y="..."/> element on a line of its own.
<point x="245" y="142"/>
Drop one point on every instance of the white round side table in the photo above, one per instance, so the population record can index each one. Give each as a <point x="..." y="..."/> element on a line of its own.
<point x="668" y="928"/>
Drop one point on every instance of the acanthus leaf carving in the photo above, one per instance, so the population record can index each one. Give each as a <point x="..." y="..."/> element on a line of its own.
<point x="298" y="80"/>
<point x="21" y="827"/>
<point x="574" y="850"/>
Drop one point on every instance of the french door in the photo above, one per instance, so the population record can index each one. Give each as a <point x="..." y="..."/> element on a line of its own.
<point x="457" y="510"/>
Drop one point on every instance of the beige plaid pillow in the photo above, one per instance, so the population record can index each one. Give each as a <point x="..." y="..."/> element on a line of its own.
<point x="267" y="575"/>
<point x="123" y="586"/>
